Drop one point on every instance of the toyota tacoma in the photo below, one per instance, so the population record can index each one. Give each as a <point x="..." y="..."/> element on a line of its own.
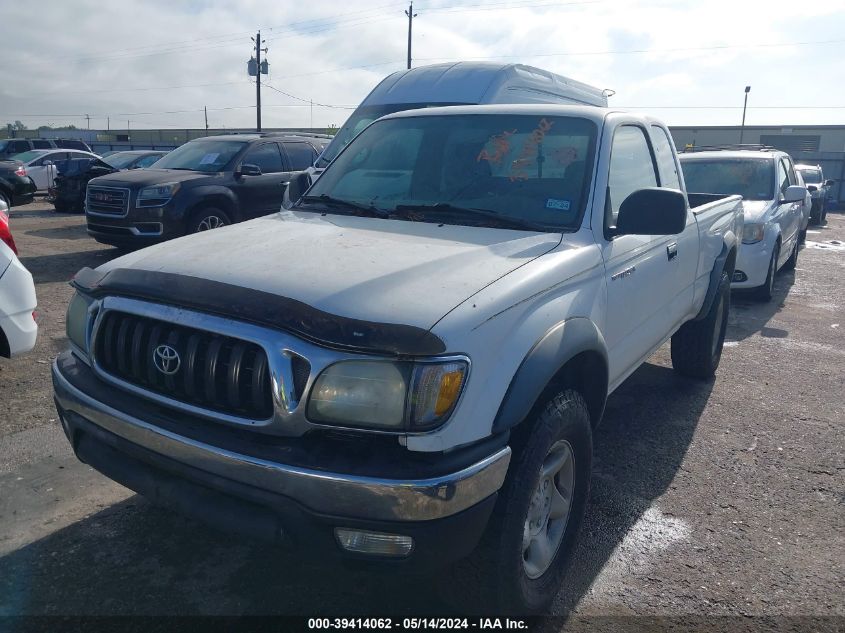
<point x="407" y="364"/>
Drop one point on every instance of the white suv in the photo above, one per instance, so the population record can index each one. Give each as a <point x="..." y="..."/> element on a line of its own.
<point x="18" y="329"/>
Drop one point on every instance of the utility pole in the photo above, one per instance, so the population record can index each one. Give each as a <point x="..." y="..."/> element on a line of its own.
<point x="259" y="69"/>
<point x="108" y="124"/>
<point x="311" y="101"/>
<point x="88" y="118"/>
<point x="205" y="110"/>
<point x="744" y="105"/>
<point x="411" y="15"/>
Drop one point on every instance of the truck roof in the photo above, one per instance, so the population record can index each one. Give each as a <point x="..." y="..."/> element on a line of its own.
<point x="477" y="82"/>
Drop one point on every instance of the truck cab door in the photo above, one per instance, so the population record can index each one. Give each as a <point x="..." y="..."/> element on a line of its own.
<point x="645" y="274"/>
<point x="260" y="194"/>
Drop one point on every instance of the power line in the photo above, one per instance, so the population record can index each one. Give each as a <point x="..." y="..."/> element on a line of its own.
<point x="645" y="50"/>
<point x="309" y="101"/>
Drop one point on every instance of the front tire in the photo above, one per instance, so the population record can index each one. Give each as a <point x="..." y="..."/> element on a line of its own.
<point x="765" y="292"/>
<point x="697" y="346"/>
<point x="520" y="563"/>
<point x="793" y="257"/>
<point x="208" y="218"/>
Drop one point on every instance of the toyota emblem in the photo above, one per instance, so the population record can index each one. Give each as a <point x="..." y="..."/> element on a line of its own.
<point x="166" y="359"/>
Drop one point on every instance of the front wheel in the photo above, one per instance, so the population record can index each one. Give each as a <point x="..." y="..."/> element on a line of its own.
<point x="793" y="257"/>
<point x="207" y="219"/>
<point x="765" y="292"/>
<point x="697" y="346"/>
<point x="520" y="563"/>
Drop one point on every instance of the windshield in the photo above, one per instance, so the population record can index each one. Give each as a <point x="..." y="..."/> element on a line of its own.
<point x="467" y="169"/>
<point x="121" y="160"/>
<point x="360" y="119"/>
<point x="811" y="175"/>
<point x="201" y="155"/>
<point x="25" y="157"/>
<point x="751" y="178"/>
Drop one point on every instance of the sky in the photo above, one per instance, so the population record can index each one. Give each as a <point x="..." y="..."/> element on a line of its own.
<point x="158" y="63"/>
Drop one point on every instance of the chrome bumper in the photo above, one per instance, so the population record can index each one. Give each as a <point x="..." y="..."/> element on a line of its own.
<point x="323" y="492"/>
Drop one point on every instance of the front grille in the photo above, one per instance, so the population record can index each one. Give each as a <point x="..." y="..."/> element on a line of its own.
<point x="211" y="371"/>
<point x="107" y="200"/>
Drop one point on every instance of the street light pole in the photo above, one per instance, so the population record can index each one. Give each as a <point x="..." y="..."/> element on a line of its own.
<point x="744" y="106"/>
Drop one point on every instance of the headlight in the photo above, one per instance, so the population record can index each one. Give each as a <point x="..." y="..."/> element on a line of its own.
<point x="391" y="396"/>
<point x="157" y="196"/>
<point x="76" y="321"/>
<point x="752" y="233"/>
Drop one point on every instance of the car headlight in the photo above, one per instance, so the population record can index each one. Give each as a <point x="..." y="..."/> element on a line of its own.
<point x="385" y="395"/>
<point x="76" y="321"/>
<point x="158" y="195"/>
<point x="752" y="233"/>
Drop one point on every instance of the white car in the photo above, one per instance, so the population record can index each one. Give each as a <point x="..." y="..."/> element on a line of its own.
<point x="773" y="201"/>
<point x="18" y="329"/>
<point x="423" y="336"/>
<point x="42" y="164"/>
<point x="806" y="206"/>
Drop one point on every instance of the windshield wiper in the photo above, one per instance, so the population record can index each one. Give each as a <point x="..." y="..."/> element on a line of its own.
<point x="446" y="208"/>
<point x="359" y="209"/>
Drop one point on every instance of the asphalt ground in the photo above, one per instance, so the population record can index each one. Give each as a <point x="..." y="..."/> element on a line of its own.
<point x="720" y="498"/>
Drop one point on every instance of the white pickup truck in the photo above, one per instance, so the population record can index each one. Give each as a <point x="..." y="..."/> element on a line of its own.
<point x="407" y="364"/>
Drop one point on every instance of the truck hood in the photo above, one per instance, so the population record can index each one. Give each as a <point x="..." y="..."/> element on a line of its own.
<point x="137" y="178"/>
<point x="387" y="271"/>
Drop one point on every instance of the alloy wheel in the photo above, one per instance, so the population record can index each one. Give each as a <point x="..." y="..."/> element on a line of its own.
<point x="549" y="510"/>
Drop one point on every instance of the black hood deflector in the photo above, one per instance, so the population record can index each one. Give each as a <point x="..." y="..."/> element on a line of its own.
<point x="260" y="308"/>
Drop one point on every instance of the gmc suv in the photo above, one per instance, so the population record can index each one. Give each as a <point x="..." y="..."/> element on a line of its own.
<point x="204" y="184"/>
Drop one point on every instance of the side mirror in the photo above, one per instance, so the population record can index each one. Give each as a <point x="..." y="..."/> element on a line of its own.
<point x="652" y="211"/>
<point x="47" y="163"/>
<point x="829" y="183"/>
<point x="296" y="188"/>
<point x="794" y="193"/>
<point x="248" y="169"/>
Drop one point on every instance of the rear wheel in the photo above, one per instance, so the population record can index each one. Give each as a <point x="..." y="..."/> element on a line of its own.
<point x="697" y="347"/>
<point x="520" y="563"/>
<point x="207" y="219"/>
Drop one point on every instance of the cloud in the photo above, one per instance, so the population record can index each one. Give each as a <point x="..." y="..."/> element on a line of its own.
<point x="157" y="64"/>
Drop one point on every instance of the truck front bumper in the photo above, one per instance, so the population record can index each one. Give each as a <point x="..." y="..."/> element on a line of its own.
<point x="445" y="515"/>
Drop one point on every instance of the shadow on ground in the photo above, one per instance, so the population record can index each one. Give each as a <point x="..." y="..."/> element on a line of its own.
<point x="133" y="558"/>
<point x="63" y="266"/>
<point x="77" y="232"/>
<point x="749" y="315"/>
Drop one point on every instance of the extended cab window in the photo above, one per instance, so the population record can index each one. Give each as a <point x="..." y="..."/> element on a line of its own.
<point x="665" y="158"/>
<point x="485" y="169"/>
<point x="631" y="168"/>
<point x="266" y="157"/>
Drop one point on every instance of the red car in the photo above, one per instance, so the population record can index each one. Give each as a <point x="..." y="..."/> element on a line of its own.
<point x="5" y="231"/>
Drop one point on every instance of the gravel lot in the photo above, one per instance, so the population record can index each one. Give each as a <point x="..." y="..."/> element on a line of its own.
<point x="709" y="499"/>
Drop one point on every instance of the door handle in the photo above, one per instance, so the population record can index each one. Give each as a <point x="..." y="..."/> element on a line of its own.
<point x="624" y="273"/>
<point x="285" y="183"/>
<point x="672" y="251"/>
